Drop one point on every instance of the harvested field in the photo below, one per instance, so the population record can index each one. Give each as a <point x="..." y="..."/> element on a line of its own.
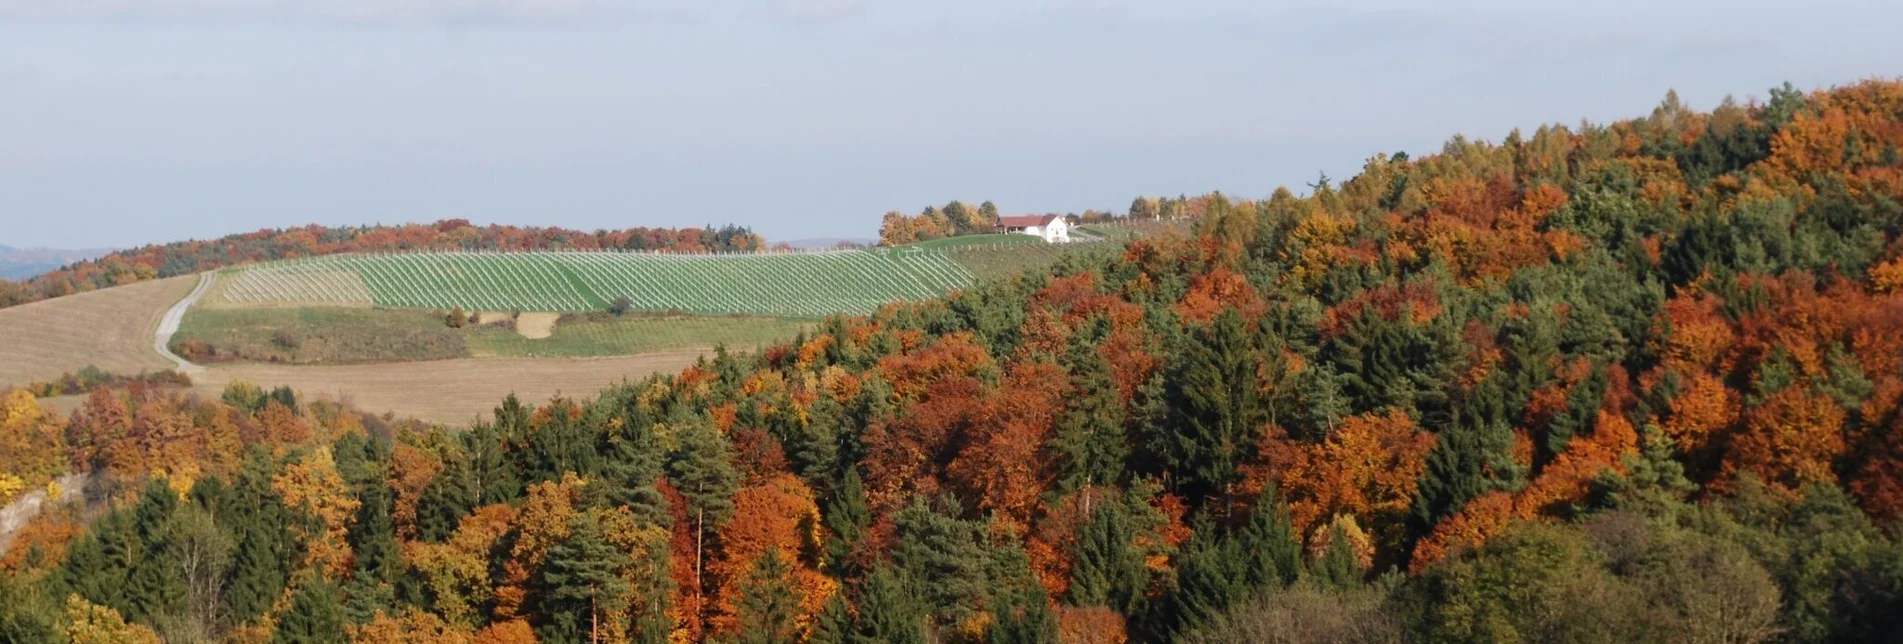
<point x="111" y="329"/>
<point x="452" y="392"/>
<point x="536" y="326"/>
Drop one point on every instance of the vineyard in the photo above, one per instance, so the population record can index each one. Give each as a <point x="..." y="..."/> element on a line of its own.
<point x="804" y="284"/>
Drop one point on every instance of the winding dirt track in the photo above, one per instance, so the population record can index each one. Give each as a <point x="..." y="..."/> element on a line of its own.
<point x="111" y="329"/>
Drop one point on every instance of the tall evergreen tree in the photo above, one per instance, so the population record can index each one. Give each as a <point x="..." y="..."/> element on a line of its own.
<point x="702" y="469"/>
<point x="1090" y="439"/>
<point x="1467" y="455"/>
<point x="847" y="517"/>
<point x="890" y="612"/>
<point x="1218" y="409"/>
<point x="768" y="605"/>
<point x="1022" y="615"/>
<point x="1209" y="577"/>
<point x="631" y="464"/>
<point x="315" y="616"/>
<point x="372" y="535"/>
<point x="451" y="495"/>
<point x="155" y="585"/>
<point x="579" y="584"/>
<point x="1337" y="568"/>
<point x="653" y="592"/>
<point x="1272" y="556"/>
<point x="1107" y="569"/>
<point x="833" y="624"/>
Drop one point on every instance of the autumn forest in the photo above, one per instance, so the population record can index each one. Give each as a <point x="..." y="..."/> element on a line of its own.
<point x="1620" y="382"/>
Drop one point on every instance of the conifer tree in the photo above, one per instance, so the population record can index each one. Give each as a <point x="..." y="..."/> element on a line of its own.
<point x="265" y="548"/>
<point x="1337" y="568"/>
<point x="631" y="464"/>
<point x="372" y="535"/>
<point x="847" y="517"/>
<point x="653" y="593"/>
<point x="579" y="584"/>
<point x="1271" y="553"/>
<point x="451" y="495"/>
<point x="315" y="616"/>
<point x="154" y="587"/>
<point x="496" y="476"/>
<point x="1467" y="454"/>
<point x="833" y="624"/>
<point x="1219" y="409"/>
<point x="1022" y="615"/>
<point x="1107" y="570"/>
<point x="702" y="469"/>
<point x="1209" y="578"/>
<point x="1090" y="438"/>
<point x="768" y="605"/>
<point x="890" y="612"/>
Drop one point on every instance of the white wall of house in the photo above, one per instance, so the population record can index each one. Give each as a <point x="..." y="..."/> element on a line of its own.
<point x="1058" y="232"/>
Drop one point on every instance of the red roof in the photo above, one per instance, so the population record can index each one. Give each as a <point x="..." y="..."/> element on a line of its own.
<point x="1026" y="221"/>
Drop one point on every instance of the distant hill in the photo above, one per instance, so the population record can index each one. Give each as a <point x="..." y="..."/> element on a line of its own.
<point x="181" y="258"/>
<point x="23" y="263"/>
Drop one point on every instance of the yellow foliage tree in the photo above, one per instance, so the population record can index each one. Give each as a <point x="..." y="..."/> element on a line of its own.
<point x="89" y="623"/>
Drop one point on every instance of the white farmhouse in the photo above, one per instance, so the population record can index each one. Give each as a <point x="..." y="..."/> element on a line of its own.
<point x="1054" y="229"/>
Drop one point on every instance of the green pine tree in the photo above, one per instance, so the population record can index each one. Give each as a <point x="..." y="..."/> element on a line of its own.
<point x="847" y="517"/>
<point x="702" y="469"/>
<point x="1022" y="615"/>
<point x="653" y="592"/>
<point x="315" y="617"/>
<point x="1272" y="556"/>
<point x="1090" y="439"/>
<point x="155" y="583"/>
<point x="1210" y="576"/>
<point x="1218" y="408"/>
<point x="631" y="464"/>
<point x="578" y="584"/>
<point x="890" y="612"/>
<point x="833" y="625"/>
<point x="767" y="603"/>
<point x="372" y="535"/>
<point x="1106" y="569"/>
<point x="1337" y="568"/>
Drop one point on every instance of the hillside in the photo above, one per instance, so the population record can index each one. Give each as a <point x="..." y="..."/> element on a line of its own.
<point x="1629" y="382"/>
<point x="803" y="284"/>
<point x="181" y="258"/>
<point x="22" y="263"/>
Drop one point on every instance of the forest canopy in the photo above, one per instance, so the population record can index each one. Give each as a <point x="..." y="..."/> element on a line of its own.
<point x="1625" y="382"/>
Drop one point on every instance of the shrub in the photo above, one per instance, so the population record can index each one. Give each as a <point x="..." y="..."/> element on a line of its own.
<point x="620" y="305"/>
<point x="456" y="318"/>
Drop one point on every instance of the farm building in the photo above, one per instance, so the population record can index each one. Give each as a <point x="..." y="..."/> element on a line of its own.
<point x="1054" y="229"/>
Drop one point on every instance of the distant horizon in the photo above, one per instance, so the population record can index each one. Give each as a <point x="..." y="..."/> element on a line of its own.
<point x="132" y="123"/>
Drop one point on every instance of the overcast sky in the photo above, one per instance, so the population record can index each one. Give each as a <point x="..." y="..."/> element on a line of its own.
<point x="124" y="122"/>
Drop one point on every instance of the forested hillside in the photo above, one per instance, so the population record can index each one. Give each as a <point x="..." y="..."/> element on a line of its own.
<point x="180" y="258"/>
<point x="1632" y="382"/>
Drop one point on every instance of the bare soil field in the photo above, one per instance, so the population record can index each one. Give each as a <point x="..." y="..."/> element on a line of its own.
<point x="536" y="326"/>
<point x="110" y="329"/>
<point x="452" y="392"/>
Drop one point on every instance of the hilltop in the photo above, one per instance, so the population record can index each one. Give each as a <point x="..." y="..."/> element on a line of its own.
<point x="187" y="257"/>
